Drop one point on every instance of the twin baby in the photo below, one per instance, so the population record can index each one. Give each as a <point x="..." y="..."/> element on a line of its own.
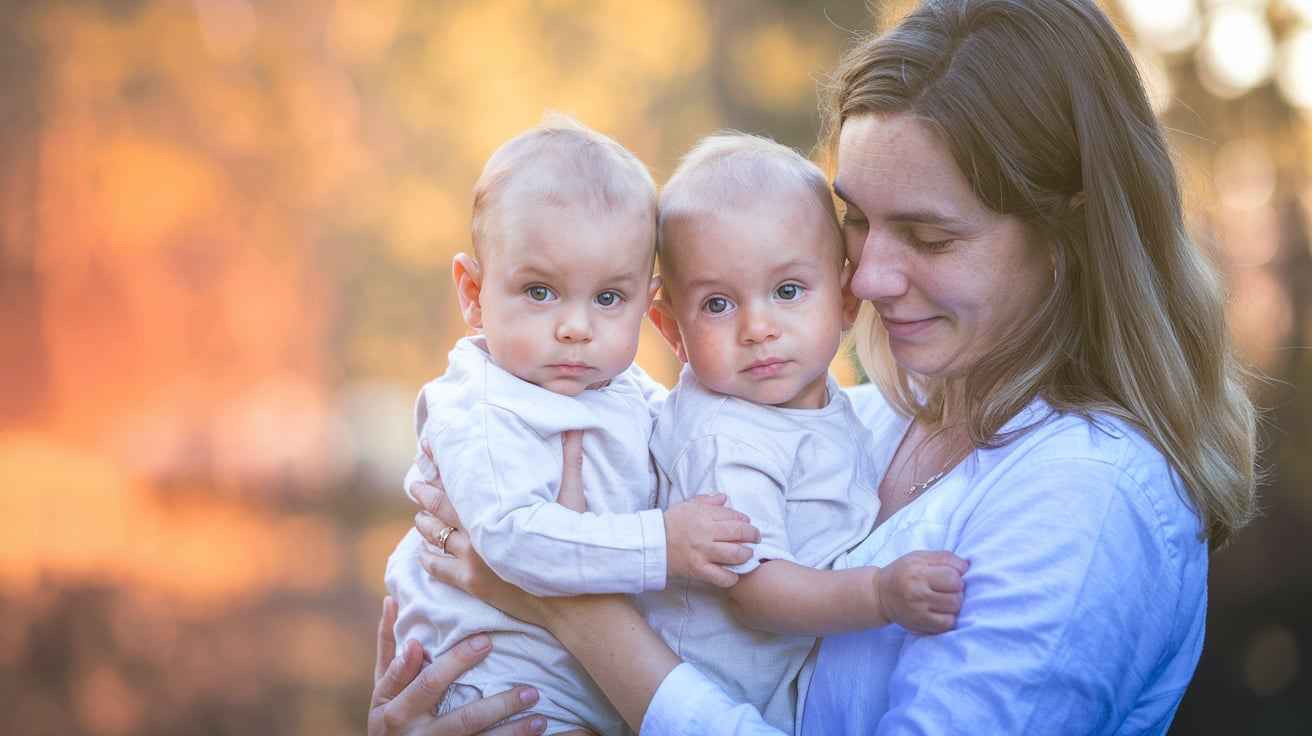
<point x="752" y="299"/>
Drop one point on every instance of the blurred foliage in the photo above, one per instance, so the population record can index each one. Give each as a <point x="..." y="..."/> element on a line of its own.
<point x="225" y="230"/>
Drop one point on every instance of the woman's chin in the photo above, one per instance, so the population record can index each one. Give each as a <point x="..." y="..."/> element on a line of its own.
<point x="924" y="362"/>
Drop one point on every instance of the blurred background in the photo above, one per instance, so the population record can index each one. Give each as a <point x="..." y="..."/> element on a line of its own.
<point x="225" y="236"/>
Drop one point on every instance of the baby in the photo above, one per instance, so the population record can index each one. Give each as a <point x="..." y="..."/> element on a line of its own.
<point x="564" y="234"/>
<point x="754" y="302"/>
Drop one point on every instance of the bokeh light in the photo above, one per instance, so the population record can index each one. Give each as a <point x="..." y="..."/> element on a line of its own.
<point x="1294" y="74"/>
<point x="1168" y="25"/>
<point x="226" y="229"/>
<point x="1237" y="52"/>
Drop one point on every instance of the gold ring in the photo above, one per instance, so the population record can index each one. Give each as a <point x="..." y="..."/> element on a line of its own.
<point x="442" y="536"/>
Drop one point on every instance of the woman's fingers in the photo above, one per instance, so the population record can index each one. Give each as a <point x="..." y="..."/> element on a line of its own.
<point x="399" y="673"/>
<point x="386" y="651"/>
<point x="431" y="527"/>
<point x="457" y="542"/>
<point x="711" y="499"/>
<point x="481" y="714"/>
<point x="520" y="727"/>
<point x="423" y="695"/>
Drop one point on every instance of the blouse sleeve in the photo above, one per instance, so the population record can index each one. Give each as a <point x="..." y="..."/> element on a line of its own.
<point x="689" y="704"/>
<point x="1069" y="606"/>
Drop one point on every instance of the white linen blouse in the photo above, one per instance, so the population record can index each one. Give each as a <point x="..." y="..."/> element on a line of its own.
<point x="1084" y="605"/>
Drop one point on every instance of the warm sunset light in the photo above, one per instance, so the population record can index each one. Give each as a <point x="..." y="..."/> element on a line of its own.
<point x="226" y="235"/>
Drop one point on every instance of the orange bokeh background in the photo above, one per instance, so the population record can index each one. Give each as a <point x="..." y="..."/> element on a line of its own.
<point x="225" y="234"/>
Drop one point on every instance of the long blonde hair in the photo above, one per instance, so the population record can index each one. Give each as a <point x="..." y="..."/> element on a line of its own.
<point x="1042" y="108"/>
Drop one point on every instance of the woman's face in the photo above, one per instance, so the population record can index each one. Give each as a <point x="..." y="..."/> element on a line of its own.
<point x="948" y="276"/>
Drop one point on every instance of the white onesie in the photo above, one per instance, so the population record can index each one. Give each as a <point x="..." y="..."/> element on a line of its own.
<point x="806" y="479"/>
<point x="498" y="441"/>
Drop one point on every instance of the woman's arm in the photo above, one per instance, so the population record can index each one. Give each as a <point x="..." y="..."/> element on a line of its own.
<point x="640" y="675"/>
<point x="1076" y="607"/>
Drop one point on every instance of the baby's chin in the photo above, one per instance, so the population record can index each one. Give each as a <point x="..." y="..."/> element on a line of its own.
<point x="570" y="387"/>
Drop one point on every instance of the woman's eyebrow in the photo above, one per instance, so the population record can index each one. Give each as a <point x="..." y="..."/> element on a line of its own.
<point x="928" y="217"/>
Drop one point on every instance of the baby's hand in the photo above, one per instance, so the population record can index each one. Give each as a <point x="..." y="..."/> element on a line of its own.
<point x="701" y="535"/>
<point x="921" y="591"/>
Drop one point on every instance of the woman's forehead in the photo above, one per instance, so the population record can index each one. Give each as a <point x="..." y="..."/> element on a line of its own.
<point x="900" y="166"/>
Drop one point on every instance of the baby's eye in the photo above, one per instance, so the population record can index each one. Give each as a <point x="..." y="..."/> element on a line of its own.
<point x="717" y="305"/>
<point x="609" y="298"/>
<point x="789" y="292"/>
<point x="540" y="293"/>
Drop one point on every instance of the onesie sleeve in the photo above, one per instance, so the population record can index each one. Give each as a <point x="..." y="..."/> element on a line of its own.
<point x="687" y="703"/>
<point x="503" y="478"/>
<point x="719" y="463"/>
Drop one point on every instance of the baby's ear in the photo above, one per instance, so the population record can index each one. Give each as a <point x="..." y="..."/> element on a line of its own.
<point x="467" y="273"/>
<point x="661" y="314"/>
<point x="851" y="303"/>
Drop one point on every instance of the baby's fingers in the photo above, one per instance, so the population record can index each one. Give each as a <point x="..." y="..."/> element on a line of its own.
<point x="943" y="557"/>
<point x="944" y="580"/>
<point x="736" y="531"/>
<point x="934" y="623"/>
<point x="712" y="574"/>
<point x="726" y="553"/>
<point x="944" y="602"/>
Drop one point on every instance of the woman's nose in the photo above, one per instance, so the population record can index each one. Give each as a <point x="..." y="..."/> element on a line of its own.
<point x="881" y="270"/>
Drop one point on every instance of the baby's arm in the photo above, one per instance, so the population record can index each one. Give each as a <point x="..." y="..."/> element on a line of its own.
<point x="502" y="478"/>
<point x="920" y="591"/>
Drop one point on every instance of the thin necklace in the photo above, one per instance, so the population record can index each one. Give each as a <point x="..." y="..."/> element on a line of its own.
<point x="924" y="485"/>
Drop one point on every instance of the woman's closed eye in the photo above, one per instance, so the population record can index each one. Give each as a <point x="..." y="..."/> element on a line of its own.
<point x="929" y="244"/>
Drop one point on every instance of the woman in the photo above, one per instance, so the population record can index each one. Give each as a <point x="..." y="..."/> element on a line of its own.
<point x="1056" y="392"/>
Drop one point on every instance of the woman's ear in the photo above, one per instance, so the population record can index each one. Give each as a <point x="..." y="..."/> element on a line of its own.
<point x="851" y="304"/>
<point x="467" y="273"/>
<point x="661" y="314"/>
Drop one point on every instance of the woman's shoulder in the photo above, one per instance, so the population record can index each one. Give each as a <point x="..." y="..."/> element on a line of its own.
<point x="1098" y="452"/>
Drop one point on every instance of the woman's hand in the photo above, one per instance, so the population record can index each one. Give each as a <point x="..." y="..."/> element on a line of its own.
<point x="406" y="692"/>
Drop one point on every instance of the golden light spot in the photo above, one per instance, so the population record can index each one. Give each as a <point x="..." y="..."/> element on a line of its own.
<point x="314" y="650"/>
<point x="106" y="704"/>
<point x="146" y="189"/>
<point x="426" y="227"/>
<point x="1260" y="313"/>
<point x="775" y="67"/>
<point x="362" y="31"/>
<point x="1271" y="661"/>
<point x="372" y="549"/>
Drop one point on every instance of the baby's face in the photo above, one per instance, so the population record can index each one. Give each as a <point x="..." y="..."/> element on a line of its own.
<point x="757" y="292"/>
<point x="564" y="292"/>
